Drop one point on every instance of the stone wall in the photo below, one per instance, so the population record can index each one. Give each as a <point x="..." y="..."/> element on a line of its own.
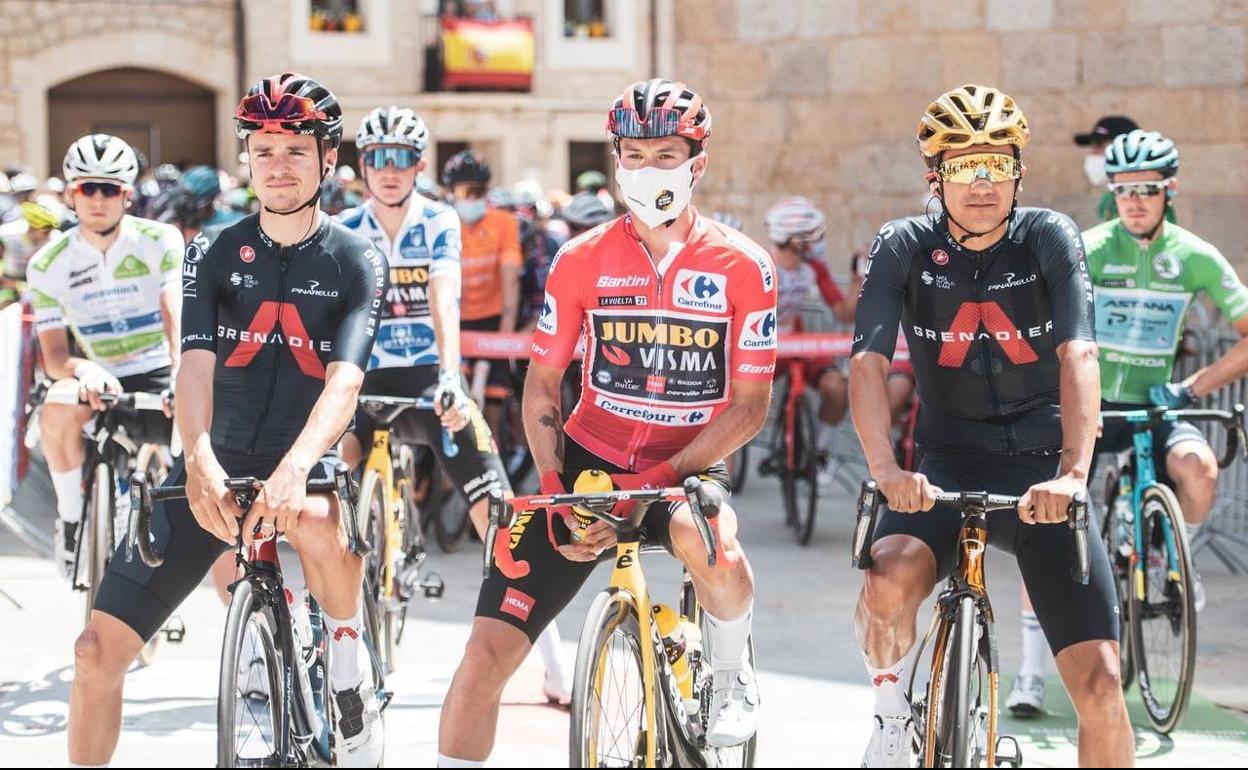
<point x="822" y="97"/>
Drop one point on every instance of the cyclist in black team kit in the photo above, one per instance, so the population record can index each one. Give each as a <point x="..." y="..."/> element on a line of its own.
<point x="280" y="311"/>
<point x="996" y="306"/>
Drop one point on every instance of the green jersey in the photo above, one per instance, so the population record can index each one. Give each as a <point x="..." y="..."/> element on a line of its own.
<point x="1142" y="296"/>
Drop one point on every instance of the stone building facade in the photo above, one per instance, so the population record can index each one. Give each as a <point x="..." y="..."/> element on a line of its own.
<point x="813" y="97"/>
<point x="822" y="98"/>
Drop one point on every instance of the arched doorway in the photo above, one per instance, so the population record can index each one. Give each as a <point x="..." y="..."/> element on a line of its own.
<point x="167" y="118"/>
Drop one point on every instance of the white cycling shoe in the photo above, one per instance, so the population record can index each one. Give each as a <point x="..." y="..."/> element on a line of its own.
<point x="1026" y="699"/>
<point x="734" y="708"/>
<point x="890" y="744"/>
<point x="359" y="736"/>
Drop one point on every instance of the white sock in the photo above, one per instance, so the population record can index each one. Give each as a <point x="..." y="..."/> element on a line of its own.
<point x="823" y="436"/>
<point x="729" y="640"/>
<point x="68" y="486"/>
<point x="1035" y="647"/>
<point x="890" y="688"/>
<point x="345" y="671"/>
<point x="445" y="761"/>
<point x="1192" y="529"/>
<point x="547" y="645"/>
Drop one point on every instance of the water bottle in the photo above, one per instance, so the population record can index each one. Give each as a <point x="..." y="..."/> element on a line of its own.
<point x="674" y="645"/>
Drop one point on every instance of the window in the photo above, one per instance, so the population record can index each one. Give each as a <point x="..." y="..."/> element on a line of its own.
<point x="356" y="33"/>
<point x="585" y="18"/>
<point x="335" y="16"/>
<point x="588" y="156"/>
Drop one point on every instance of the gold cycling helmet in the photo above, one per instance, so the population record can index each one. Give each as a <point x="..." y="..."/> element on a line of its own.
<point x="971" y="115"/>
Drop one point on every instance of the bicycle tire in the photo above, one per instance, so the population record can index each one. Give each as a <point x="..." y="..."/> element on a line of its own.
<point x="806" y="478"/>
<point x="247" y="610"/>
<point x="99" y="534"/>
<point x="949" y="697"/>
<point x="1120" y="567"/>
<point x="1165" y="710"/>
<point x="151" y="462"/>
<point x="612" y="611"/>
<point x="451" y="523"/>
<point x="371" y="516"/>
<point x="739" y="468"/>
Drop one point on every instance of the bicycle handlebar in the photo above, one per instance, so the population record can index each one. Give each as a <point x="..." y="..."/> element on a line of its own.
<point x="870" y="499"/>
<point x="143" y="495"/>
<point x="1232" y="420"/>
<point x="503" y="512"/>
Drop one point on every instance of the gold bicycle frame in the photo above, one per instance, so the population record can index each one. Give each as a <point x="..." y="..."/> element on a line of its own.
<point x="968" y="574"/>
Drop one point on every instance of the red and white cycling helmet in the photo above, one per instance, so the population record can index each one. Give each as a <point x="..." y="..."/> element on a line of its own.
<point x="794" y="218"/>
<point x="649" y="109"/>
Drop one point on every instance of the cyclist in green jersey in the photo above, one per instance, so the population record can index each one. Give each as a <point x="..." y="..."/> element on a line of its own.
<point x="1146" y="272"/>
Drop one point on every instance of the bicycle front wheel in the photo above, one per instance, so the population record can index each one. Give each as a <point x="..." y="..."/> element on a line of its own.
<point x="1114" y="532"/>
<point x="952" y="698"/>
<point x="98" y="545"/>
<point x="251" y="716"/>
<point x="372" y="523"/>
<point x="800" y="479"/>
<point x="1163" y="612"/>
<point x="610" y="699"/>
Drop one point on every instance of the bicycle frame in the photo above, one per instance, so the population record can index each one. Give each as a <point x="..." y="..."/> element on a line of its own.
<point x="797" y="386"/>
<point x="382" y="463"/>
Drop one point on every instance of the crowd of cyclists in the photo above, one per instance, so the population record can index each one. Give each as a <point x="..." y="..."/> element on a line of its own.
<point x="269" y="301"/>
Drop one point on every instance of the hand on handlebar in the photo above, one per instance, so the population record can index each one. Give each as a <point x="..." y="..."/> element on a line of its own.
<point x="1049" y="502"/>
<point x="659" y="476"/>
<point x="212" y="505"/>
<point x="907" y="492"/>
<point x="93" y="380"/>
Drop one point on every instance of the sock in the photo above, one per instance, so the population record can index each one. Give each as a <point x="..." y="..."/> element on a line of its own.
<point x="1192" y="530"/>
<point x="890" y="688"/>
<point x="68" y="486"/>
<point x="729" y="640"/>
<point x="1035" y="647"/>
<point x="548" y="647"/>
<point x="345" y="671"/>
<point x="445" y="761"/>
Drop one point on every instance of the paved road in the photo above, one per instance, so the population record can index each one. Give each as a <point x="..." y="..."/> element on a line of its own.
<point x="816" y="701"/>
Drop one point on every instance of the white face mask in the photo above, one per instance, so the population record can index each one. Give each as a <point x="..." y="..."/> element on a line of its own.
<point x="656" y="195"/>
<point x="1094" y="169"/>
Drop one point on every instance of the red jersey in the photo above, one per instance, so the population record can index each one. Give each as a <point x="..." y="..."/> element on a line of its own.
<point x="663" y="343"/>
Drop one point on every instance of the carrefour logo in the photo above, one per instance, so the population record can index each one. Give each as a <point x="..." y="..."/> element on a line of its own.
<point x="759" y="331"/>
<point x="549" y="322"/>
<point x="701" y="291"/>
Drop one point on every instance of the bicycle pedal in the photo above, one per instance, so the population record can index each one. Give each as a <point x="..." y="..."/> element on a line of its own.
<point x="174" y="630"/>
<point x="768" y="467"/>
<point x="1009" y="754"/>
<point x="433" y="585"/>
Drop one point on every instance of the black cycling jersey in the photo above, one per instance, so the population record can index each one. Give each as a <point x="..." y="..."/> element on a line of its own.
<point x="276" y="316"/>
<point x="983" y="326"/>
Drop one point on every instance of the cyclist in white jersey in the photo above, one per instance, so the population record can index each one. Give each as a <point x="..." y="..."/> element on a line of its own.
<point x="114" y="281"/>
<point x="417" y="349"/>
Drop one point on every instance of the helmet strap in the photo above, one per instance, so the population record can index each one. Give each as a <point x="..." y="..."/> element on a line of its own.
<point x="968" y="233"/>
<point x="401" y="204"/>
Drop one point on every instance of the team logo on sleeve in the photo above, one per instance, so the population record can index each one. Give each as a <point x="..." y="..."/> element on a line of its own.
<point x="696" y="290"/>
<point x="759" y="331"/>
<point x="549" y="322"/>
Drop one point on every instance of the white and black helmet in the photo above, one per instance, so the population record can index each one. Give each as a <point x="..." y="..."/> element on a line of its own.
<point x="393" y="125"/>
<point x="794" y="218"/>
<point x="101" y="157"/>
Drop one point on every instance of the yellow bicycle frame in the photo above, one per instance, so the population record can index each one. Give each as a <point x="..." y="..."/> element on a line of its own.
<point x="381" y="464"/>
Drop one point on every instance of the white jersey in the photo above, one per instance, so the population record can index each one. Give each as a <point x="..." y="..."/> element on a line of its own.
<point x="110" y="301"/>
<point x="428" y="245"/>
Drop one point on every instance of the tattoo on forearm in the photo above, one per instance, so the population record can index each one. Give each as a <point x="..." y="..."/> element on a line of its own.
<point x="551" y="421"/>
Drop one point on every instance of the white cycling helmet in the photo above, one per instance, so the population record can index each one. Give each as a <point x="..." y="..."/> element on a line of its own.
<point x="101" y="158"/>
<point x="393" y="125"/>
<point x="23" y="183"/>
<point x="794" y="218"/>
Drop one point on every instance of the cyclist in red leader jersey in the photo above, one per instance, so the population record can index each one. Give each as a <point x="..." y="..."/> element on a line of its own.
<point x="679" y="318"/>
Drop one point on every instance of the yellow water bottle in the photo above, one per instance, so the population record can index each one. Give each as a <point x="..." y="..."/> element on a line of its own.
<point x="670" y="632"/>
<point x="589" y="482"/>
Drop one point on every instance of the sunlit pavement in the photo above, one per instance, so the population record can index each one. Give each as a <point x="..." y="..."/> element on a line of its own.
<point x="816" y="703"/>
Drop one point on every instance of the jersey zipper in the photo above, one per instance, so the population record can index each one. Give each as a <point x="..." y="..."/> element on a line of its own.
<point x="642" y="434"/>
<point x="284" y="252"/>
<point x="985" y="353"/>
